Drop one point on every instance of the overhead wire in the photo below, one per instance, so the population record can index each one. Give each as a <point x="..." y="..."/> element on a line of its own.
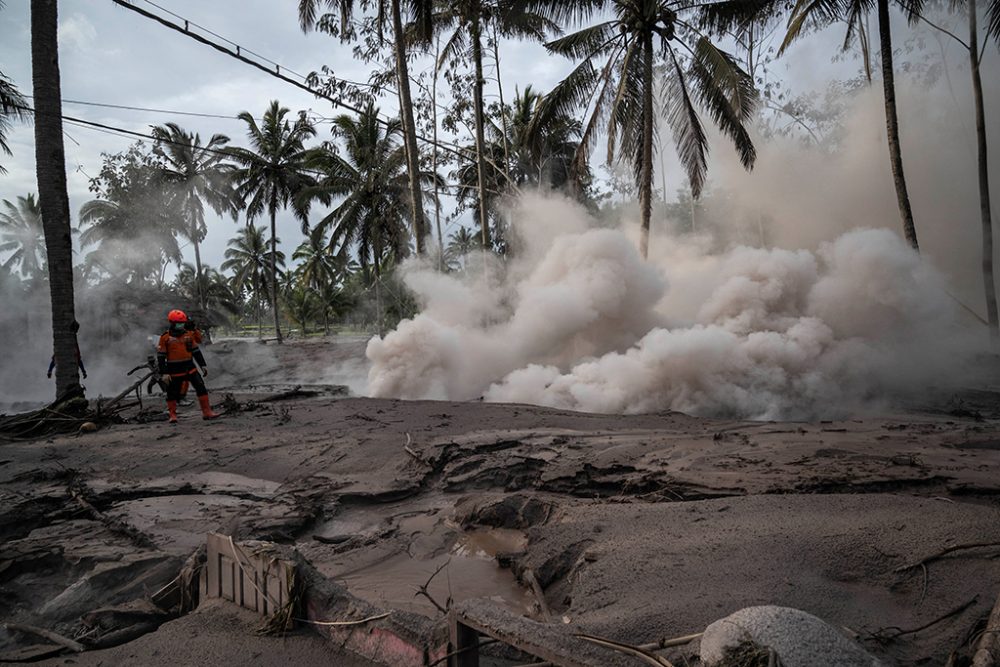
<point x="123" y="132"/>
<point x="315" y="116"/>
<point x="276" y="72"/>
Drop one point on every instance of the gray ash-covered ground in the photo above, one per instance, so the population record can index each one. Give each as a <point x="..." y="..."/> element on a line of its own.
<point x="636" y="527"/>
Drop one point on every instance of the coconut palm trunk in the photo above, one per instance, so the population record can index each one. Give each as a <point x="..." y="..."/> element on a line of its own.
<point x="477" y="56"/>
<point x="256" y="296"/>
<point x="274" y="270"/>
<point x="197" y="267"/>
<point x="50" y="165"/>
<point x="984" y="178"/>
<point x="409" y="129"/>
<point x="503" y="108"/>
<point x="646" y="177"/>
<point x="892" y="124"/>
<point x="434" y="154"/>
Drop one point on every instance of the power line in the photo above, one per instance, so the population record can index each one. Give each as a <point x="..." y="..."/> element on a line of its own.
<point x="127" y="107"/>
<point x="318" y="117"/>
<point x="276" y="72"/>
<point x="120" y="131"/>
<point x="239" y="49"/>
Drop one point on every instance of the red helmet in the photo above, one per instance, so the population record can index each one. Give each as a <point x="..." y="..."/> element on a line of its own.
<point x="177" y="316"/>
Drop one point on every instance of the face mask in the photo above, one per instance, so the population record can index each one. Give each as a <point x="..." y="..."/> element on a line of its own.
<point x="177" y="328"/>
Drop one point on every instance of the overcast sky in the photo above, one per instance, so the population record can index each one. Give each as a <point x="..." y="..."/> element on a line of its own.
<point x="111" y="55"/>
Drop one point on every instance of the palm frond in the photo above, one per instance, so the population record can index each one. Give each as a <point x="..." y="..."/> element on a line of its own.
<point x="732" y="15"/>
<point x="809" y="12"/>
<point x="587" y="42"/>
<point x="993" y="19"/>
<point x="726" y="75"/>
<point x="689" y="135"/>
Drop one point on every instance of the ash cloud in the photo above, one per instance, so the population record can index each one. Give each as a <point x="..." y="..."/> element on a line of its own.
<point x="836" y="316"/>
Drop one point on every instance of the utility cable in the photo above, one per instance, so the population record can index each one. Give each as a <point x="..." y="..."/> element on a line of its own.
<point x="120" y="131"/>
<point x="276" y="72"/>
<point x="316" y="117"/>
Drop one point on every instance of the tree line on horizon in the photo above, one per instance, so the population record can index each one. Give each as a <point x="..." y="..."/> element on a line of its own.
<point x="636" y="62"/>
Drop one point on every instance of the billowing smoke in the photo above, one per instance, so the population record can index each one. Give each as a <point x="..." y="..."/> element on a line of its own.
<point x="582" y="323"/>
<point x="830" y="314"/>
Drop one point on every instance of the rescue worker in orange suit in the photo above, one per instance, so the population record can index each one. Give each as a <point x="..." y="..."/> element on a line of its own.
<point x="195" y="332"/>
<point x="176" y="355"/>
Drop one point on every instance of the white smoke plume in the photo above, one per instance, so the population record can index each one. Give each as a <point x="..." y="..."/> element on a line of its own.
<point x="839" y="316"/>
<point x="581" y="322"/>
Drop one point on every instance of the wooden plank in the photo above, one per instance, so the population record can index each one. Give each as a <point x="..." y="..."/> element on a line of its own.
<point x="464" y="644"/>
<point x="246" y="575"/>
<point x="548" y="642"/>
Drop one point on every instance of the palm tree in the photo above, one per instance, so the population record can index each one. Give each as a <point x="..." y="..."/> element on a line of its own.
<point x="806" y="14"/>
<point x="273" y="172"/>
<point x="134" y="221"/>
<point x="320" y="270"/>
<point x="460" y="244"/>
<point x="420" y="12"/>
<point x="13" y="106"/>
<point x="615" y="80"/>
<point x="249" y="260"/>
<point x="542" y="152"/>
<point x="985" y="207"/>
<point x="466" y="21"/>
<point x="22" y="234"/>
<point x="318" y="265"/>
<point x="199" y="175"/>
<point x="371" y="184"/>
<point x="220" y="301"/>
<point x="302" y="305"/>
<point x="50" y="167"/>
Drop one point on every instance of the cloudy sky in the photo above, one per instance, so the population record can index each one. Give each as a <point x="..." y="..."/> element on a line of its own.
<point x="110" y="55"/>
<point x="113" y="56"/>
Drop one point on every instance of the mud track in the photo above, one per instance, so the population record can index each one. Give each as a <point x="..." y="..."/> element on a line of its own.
<point x="635" y="527"/>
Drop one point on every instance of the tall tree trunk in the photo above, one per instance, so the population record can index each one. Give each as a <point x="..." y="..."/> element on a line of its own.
<point x="503" y="108"/>
<point x="984" y="179"/>
<point x="646" y="173"/>
<point x="892" y="124"/>
<point x="477" y="94"/>
<point x="256" y="296"/>
<point x="378" y="296"/>
<point x="434" y="153"/>
<point x="274" y="274"/>
<point x="409" y="129"/>
<point x="50" y="166"/>
<point x="199" y="287"/>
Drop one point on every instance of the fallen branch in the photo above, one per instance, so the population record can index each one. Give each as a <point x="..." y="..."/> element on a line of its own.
<point x="422" y="591"/>
<point x="409" y="450"/>
<point x="536" y="588"/>
<point x="53" y="637"/>
<point x="988" y="650"/>
<point x="337" y="624"/>
<point x="945" y="552"/>
<point x="117" y="526"/>
<point x="651" y="646"/>
<point x="884" y="634"/>
<point x="636" y="651"/>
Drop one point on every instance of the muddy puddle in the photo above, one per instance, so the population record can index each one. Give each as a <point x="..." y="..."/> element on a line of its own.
<point x="400" y="550"/>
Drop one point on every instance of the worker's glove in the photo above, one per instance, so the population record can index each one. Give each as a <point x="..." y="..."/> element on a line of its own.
<point x="204" y="371"/>
<point x="84" y="375"/>
<point x="49" y="375"/>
